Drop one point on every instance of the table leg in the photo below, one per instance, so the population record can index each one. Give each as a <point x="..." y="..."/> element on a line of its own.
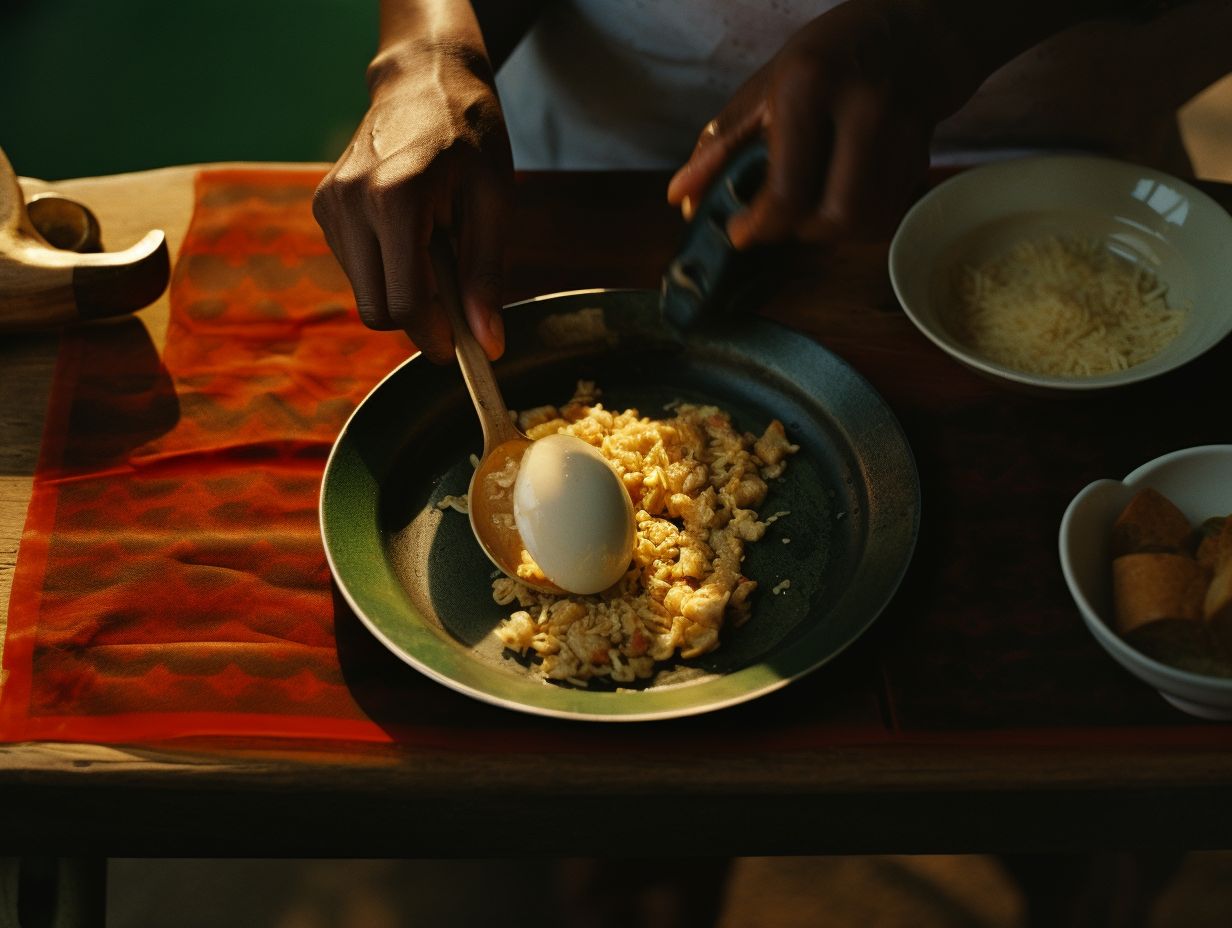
<point x="53" y="892"/>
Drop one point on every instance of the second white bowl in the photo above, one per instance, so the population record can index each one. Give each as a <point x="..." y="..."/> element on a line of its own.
<point x="1199" y="481"/>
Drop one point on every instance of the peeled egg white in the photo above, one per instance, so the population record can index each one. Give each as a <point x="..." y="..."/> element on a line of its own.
<point x="574" y="514"/>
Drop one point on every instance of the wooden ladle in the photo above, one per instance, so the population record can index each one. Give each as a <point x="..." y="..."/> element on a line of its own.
<point x="490" y="494"/>
<point x="557" y="500"/>
<point x="43" y="286"/>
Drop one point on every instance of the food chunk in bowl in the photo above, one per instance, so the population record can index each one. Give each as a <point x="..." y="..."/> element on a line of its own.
<point x="1123" y="547"/>
<point x="1167" y="601"/>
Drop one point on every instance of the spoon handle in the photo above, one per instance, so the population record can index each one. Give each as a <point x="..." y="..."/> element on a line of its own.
<point x="476" y="368"/>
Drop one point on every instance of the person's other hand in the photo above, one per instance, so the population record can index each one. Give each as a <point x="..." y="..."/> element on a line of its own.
<point x="432" y="152"/>
<point x="848" y="108"/>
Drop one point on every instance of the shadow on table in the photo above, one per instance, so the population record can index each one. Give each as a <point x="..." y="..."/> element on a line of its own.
<point x="122" y="396"/>
<point x="838" y="701"/>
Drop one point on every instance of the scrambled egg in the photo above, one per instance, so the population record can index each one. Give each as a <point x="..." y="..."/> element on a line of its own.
<point x="696" y="484"/>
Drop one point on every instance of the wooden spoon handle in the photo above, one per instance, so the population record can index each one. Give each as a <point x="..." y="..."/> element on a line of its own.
<point x="476" y="368"/>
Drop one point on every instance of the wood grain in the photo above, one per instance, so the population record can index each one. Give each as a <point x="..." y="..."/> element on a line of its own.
<point x="235" y="801"/>
<point x="1006" y="727"/>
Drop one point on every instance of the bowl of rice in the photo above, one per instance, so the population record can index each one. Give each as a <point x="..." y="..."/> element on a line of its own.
<point x="1066" y="272"/>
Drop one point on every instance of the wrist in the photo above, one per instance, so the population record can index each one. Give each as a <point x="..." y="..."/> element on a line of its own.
<point x="408" y="59"/>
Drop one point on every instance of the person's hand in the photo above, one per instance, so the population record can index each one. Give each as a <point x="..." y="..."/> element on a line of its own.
<point x="847" y="108"/>
<point x="431" y="152"/>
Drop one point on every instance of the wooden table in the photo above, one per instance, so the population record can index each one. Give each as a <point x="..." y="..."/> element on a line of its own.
<point x="996" y="744"/>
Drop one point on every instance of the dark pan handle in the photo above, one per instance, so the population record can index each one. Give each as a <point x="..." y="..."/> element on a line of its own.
<point x="699" y="280"/>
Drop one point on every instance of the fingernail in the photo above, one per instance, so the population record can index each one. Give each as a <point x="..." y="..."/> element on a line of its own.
<point x="686" y="207"/>
<point x="673" y="184"/>
<point x="496" y="333"/>
<point x="737" y="230"/>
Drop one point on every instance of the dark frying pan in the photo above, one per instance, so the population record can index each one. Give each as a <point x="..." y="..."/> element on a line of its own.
<point x="416" y="577"/>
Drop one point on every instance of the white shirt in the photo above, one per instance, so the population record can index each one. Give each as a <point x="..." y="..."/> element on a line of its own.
<point x="603" y="84"/>
<point x="631" y="83"/>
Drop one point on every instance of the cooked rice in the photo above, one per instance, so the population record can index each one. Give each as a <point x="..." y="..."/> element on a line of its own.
<point x="456" y="503"/>
<point x="1064" y="306"/>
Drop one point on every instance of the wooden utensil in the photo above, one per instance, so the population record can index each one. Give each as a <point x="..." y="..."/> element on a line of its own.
<point x="490" y="503"/>
<point x="44" y="286"/>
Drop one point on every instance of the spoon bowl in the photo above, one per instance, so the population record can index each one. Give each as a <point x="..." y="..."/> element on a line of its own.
<point x="490" y="502"/>
<point x="490" y="495"/>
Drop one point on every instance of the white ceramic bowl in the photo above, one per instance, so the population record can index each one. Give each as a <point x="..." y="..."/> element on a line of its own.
<point x="1199" y="482"/>
<point x="1174" y="230"/>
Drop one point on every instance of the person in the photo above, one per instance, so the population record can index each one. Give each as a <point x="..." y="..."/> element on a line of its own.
<point x="851" y="97"/>
<point x="855" y="99"/>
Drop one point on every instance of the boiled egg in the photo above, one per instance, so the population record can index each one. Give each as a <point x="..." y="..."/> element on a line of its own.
<point x="573" y="513"/>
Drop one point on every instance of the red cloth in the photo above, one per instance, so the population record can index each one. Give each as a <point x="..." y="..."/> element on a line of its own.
<point x="171" y="579"/>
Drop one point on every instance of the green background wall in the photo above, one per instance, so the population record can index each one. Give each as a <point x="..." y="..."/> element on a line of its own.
<point x="104" y="86"/>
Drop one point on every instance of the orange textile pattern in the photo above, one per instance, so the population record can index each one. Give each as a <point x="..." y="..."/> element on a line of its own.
<point x="171" y="579"/>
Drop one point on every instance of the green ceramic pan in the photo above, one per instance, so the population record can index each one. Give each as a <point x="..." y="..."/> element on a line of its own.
<point x="416" y="577"/>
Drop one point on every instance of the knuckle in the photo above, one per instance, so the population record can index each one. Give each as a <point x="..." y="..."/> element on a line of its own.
<point x="335" y="197"/>
<point x="763" y="223"/>
<point x="433" y="340"/>
<point x="372" y="314"/>
<point x="382" y="192"/>
<point x="343" y="183"/>
<point x="390" y="185"/>
<point x="325" y="199"/>
<point x="778" y="212"/>
<point x="401" y="303"/>
<point x="842" y="215"/>
<point x="838" y="220"/>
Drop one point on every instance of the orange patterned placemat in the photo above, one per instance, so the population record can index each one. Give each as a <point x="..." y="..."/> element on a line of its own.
<point x="171" y="579"/>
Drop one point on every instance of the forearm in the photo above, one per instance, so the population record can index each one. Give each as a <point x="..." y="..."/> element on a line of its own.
<point x="973" y="38"/>
<point x="419" y="34"/>
<point x="479" y="34"/>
